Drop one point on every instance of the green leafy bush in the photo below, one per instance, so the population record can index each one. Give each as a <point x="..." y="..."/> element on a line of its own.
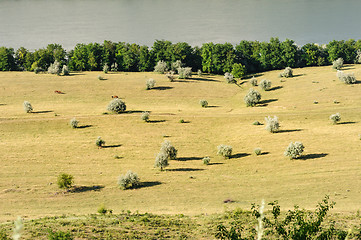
<point x="116" y="106"/>
<point x="65" y="181"/>
<point x="203" y="103"/>
<point x="258" y="151"/>
<point x="206" y="160"/>
<point x="256" y="123"/>
<point x="129" y="180"/>
<point x="59" y="235"/>
<point x="99" y="142"/>
<point x="294" y="150"/>
<point x="150" y="83"/>
<point x="74" y="123"/>
<point x="265" y="84"/>
<point x="238" y="70"/>
<point x="252" y="98"/>
<point x="272" y="124"/>
<point x="27" y="107"/>
<point x="335" y="118"/>
<point x="224" y="150"/>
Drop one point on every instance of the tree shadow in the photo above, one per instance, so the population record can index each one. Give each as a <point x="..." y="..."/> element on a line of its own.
<point x="239" y="155"/>
<point x="85" y="126"/>
<point x="76" y="74"/>
<point x="135" y="111"/>
<point x="299" y="75"/>
<point x="264" y="103"/>
<point x="264" y="153"/>
<point x="79" y="189"/>
<point x="275" y="88"/>
<point x="313" y="156"/>
<point x="156" y="121"/>
<point x="189" y="158"/>
<point x="112" y="146"/>
<point x="204" y="79"/>
<point x="185" y="169"/>
<point x="253" y="75"/>
<point x="289" y="130"/>
<point x="42" y="112"/>
<point x="185" y="122"/>
<point x="148" y="184"/>
<point x="2" y="104"/>
<point x="162" y="88"/>
<point x="344" y="123"/>
<point x="218" y="163"/>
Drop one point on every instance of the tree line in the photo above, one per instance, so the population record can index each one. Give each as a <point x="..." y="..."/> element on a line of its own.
<point x="211" y="57"/>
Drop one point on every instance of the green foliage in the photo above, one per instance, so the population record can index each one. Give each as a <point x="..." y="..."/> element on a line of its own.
<point x="252" y="98"/>
<point x="102" y="209"/>
<point x="256" y="123"/>
<point x="335" y="118"/>
<point x="313" y="55"/>
<point x="59" y="235"/>
<point x="7" y="60"/>
<point x="341" y="49"/>
<point x="27" y="107"/>
<point x="99" y="142"/>
<point x="203" y="103"/>
<point x="145" y="116"/>
<point x="265" y="84"/>
<point x="258" y="151"/>
<point x="217" y="58"/>
<point x="37" y="70"/>
<point x="238" y="70"/>
<point x="272" y="124"/>
<point x="184" y="72"/>
<point x="181" y="120"/>
<point x="229" y="77"/>
<point x="358" y="56"/>
<point x="294" y="150"/>
<point x="74" y="123"/>
<point x="337" y="64"/>
<point x="161" y="67"/>
<point x="224" y="150"/>
<point x="65" y="181"/>
<point x="287" y="73"/>
<point x="206" y="160"/>
<point x="150" y="83"/>
<point x="3" y="235"/>
<point x="129" y="180"/>
<point x="117" y="106"/>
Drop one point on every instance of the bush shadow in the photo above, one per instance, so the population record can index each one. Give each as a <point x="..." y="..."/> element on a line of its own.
<point x="79" y="189"/>
<point x="42" y="112"/>
<point x="2" y="104"/>
<point x="156" y="121"/>
<point x="85" y="126"/>
<point x="290" y="130"/>
<point x="264" y="153"/>
<point x="161" y="88"/>
<point x="313" y="156"/>
<point x="299" y="75"/>
<point x="345" y="123"/>
<point x="148" y="184"/>
<point x="239" y="155"/>
<point x="275" y="88"/>
<point x="135" y="111"/>
<point x="253" y="75"/>
<point x="112" y="146"/>
<point x="189" y="158"/>
<point x="204" y="79"/>
<point x="218" y="163"/>
<point x="213" y="106"/>
<point x="185" y="169"/>
<point x="264" y="103"/>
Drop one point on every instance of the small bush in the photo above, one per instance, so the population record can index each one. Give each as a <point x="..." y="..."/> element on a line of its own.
<point x="74" y="123"/>
<point x="203" y="103"/>
<point x="258" y="151"/>
<point x="272" y="124"/>
<point x="199" y="73"/>
<point x="206" y="160"/>
<point x="170" y="76"/>
<point x="229" y="78"/>
<point x="294" y="150"/>
<point x="181" y="121"/>
<point x="59" y="235"/>
<point x="100" y="78"/>
<point x="177" y="64"/>
<point x="99" y="142"/>
<point x="252" y="98"/>
<point x="253" y="81"/>
<point x="102" y="209"/>
<point x="37" y="70"/>
<point x="161" y="160"/>
<point x="224" y="150"/>
<point x="169" y="150"/>
<point x="105" y="68"/>
<point x="335" y="118"/>
<point x="117" y="106"/>
<point x="129" y="180"/>
<point x="358" y="56"/>
<point x="161" y="67"/>
<point x="54" y="68"/>
<point x="287" y="73"/>
<point x="256" y="123"/>
<point x="145" y="116"/>
<point x="114" y="67"/>
<point x="348" y="78"/>
<point x="184" y="72"/>
<point x="265" y="84"/>
<point x="150" y="83"/>
<point x="27" y="107"/>
<point x="337" y="64"/>
<point x="65" y="181"/>
<point x="65" y="70"/>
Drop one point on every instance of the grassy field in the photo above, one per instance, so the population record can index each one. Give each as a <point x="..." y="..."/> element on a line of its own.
<point x="35" y="148"/>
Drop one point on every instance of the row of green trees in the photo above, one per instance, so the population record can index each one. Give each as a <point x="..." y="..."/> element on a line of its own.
<point x="211" y="57"/>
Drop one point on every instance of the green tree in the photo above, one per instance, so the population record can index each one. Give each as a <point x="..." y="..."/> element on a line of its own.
<point x="160" y="51"/>
<point x="20" y="57"/>
<point x="290" y="54"/>
<point x="79" y="58"/>
<point x="238" y="70"/>
<point x="108" y="56"/>
<point x="7" y="60"/>
<point x="341" y="49"/>
<point x="145" y="60"/>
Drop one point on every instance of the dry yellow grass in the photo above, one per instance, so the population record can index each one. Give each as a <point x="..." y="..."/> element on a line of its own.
<point x="35" y="148"/>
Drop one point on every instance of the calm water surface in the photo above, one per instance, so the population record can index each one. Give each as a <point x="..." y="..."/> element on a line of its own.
<point x="36" y="23"/>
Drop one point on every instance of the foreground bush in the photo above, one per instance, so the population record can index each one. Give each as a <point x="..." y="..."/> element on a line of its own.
<point x="252" y="98"/>
<point x="348" y="78"/>
<point x="287" y="73"/>
<point x="27" y="107"/>
<point x="74" y="123"/>
<point x="337" y="64"/>
<point x="203" y="103"/>
<point x="161" y="67"/>
<point x="184" y="72"/>
<point x="272" y="124"/>
<point x="335" y="118"/>
<point x="129" y="180"/>
<point x="294" y="150"/>
<point x="229" y="78"/>
<point x="150" y="83"/>
<point x="145" y="116"/>
<point x="258" y="151"/>
<point x="117" y="106"/>
<point x="99" y="142"/>
<point x="265" y="84"/>
<point x="65" y="181"/>
<point x="206" y="160"/>
<point x="224" y="150"/>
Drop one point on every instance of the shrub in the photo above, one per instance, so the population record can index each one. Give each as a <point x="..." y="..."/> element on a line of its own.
<point x="129" y="180"/>
<point x="335" y="118"/>
<point x="258" y="151"/>
<point x="254" y="81"/>
<point x="224" y="150"/>
<point x="203" y="103"/>
<point x="206" y="160"/>
<point x="170" y="76"/>
<point x="116" y="106"/>
<point x="161" y="67"/>
<point x="199" y="73"/>
<point x="181" y="120"/>
<point x="287" y="73"/>
<point x="150" y="83"/>
<point x="65" y="181"/>
<point x="145" y="116"/>
<point x="65" y="70"/>
<point x="38" y="70"/>
<point x="294" y="150"/>
<point x="54" y="68"/>
<point x="252" y="98"/>
<point x="256" y="123"/>
<point x="74" y="123"/>
<point x="100" y="78"/>
<point x="229" y="78"/>
<point x="161" y="160"/>
<point x="348" y="78"/>
<point x="272" y="124"/>
<point x="358" y="56"/>
<point x="265" y="84"/>
<point x="102" y="209"/>
<point x="99" y="142"/>
<point x="337" y="64"/>
<point x="184" y="72"/>
<point x="18" y="228"/>
<point x="105" y="68"/>
<point x="114" y="67"/>
<point x="59" y="235"/>
<point x="238" y="70"/>
<point x="169" y="150"/>
<point x="177" y="64"/>
<point x="27" y="107"/>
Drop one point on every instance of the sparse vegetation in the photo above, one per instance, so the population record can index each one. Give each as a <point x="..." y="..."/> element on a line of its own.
<point x="256" y="123"/>
<point x="184" y="72"/>
<point x="203" y="103"/>
<point x="27" y="107"/>
<point x="161" y="160"/>
<point x="116" y="106"/>
<point x="170" y="76"/>
<point x="335" y="118"/>
<point x="65" y="181"/>
<point x="150" y="83"/>
<point x="294" y="150"/>
<point x="129" y="180"/>
<point x="287" y="73"/>
<point x="145" y="116"/>
<point x="348" y="78"/>
<point x="181" y="120"/>
<point x="199" y="73"/>
<point x="59" y="235"/>
<point x="272" y="124"/>
<point x="161" y="67"/>
<point x="265" y="84"/>
<point x="74" y="123"/>
<point x="258" y="151"/>
<point x="224" y="150"/>
<point x="177" y="64"/>
<point x="206" y="160"/>
<point x="99" y="142"/>
<point x="252" y="98"/>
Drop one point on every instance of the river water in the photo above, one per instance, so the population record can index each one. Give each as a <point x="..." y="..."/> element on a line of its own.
<point x="36" y="23"/>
